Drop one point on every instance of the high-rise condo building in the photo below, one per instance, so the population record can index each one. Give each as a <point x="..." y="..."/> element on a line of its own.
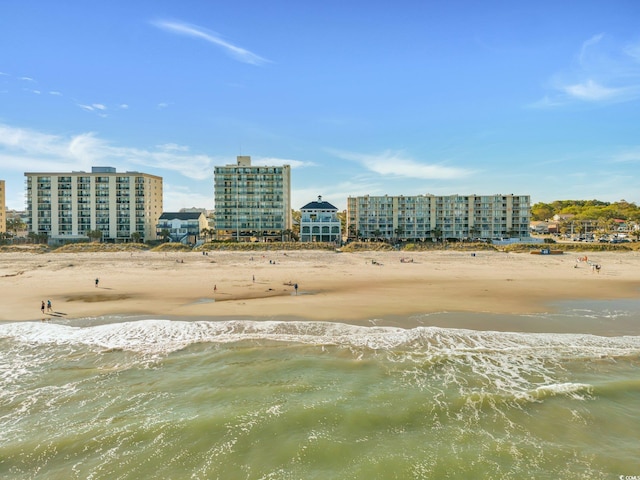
<point x="3" y="208"/>
<point x="425" y="217"/>
<point x="65" y="206"/>
<point x="252" y="202"/>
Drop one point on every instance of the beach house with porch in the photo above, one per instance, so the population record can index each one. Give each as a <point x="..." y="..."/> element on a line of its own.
<point x="183" y="227"/>
<point x="319" y="222"/>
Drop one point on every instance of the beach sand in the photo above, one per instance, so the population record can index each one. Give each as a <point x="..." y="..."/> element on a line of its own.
<point x="346" y="287"/>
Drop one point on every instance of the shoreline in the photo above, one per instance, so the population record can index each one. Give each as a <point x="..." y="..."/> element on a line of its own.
<point x="355" y="288"/>
<point x="598" y="320"/>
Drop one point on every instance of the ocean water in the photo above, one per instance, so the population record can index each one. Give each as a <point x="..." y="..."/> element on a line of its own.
<point x="132" y="398"/>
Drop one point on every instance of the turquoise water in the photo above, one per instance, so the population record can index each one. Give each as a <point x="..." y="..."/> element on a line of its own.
<point x="128" y="398"/>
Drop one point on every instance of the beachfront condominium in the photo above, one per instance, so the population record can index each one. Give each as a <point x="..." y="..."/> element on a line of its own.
<point x="430" y="217"/>
<point x="252" y="202"/>
<point x="67" y="206"/>
<point x="3" y="209"/>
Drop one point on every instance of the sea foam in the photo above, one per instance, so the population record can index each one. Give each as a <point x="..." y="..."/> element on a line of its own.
<point x="166" y="336"/>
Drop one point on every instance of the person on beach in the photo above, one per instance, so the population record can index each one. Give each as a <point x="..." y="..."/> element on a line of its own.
<point x="97" y="281"/>
<point x="295" y="287"/>
<point x="42" y="307"/>
<point x="49" y="307"/>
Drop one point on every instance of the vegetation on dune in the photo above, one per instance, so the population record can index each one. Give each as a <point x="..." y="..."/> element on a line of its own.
<point x="172" y="247"/>
<point x="28" y="248"/>
<point x="352" y="247"/>
<point x="571" y="247"/>
<point x="462" y="246"/>
<point x="263" y="246"/>
<point x="349" y="248"/>
<point x="101" y="247"/>
<point x="367" y="247"/>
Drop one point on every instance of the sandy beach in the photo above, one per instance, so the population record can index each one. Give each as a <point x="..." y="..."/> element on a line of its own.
<point x="346" y="287"/>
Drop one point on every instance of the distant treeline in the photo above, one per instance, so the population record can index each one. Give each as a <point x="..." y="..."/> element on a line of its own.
<point x="586" y="210"/>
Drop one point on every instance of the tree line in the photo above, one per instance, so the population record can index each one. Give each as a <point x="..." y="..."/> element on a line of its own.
<point x="594" y="210"/>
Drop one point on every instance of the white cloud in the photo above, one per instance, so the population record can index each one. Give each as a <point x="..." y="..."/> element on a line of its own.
<point x="591" y="90"/>
<point x="98" y="108"/>
<point x="587" y="44"/>
<point x="53" y="92"/>
<point x="173" y="147"/>
<point x="123" y="106"/>
<point x="633" y="51"/>
<point x="27" y="79"/>
<point x="45" y="152"/>
<point x="186" y="29"/>
<point x="396" y="164"/>
<point x="87" y="147"/>
<point x="628" y="155"/>
<point x="269" y="161"/>
<point x="334" y="193"/>
<point x="178" y="196"/>
<point x="602" y="72"/>
<point x="162" y="105"/>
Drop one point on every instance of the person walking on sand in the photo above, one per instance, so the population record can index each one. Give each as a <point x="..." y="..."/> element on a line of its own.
<point x="97" y="281"/>
<point x="295" y="287"/>
<point x="49" y="307"/>
<point x="42" y="307"/>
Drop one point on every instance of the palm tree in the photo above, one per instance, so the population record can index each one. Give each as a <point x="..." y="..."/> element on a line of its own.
<point x="288" y="233"/>
<point x="165" y="234"/>
<point x="4" y="236"/>
<point x="42" y="237"/>
<point x="15" y="225"/>
<point x="399" y="232"/>
<point x="94" y="235"/>
<point x="436" y="233"/>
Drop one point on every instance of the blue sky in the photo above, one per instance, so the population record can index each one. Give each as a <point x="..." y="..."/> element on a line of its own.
<point x="359" y="97"/>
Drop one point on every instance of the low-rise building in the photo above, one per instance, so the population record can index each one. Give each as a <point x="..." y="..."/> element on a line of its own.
<point x="540" y="227"/>
<point x="319" y="222"/>
<point x="183" y="227"/>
